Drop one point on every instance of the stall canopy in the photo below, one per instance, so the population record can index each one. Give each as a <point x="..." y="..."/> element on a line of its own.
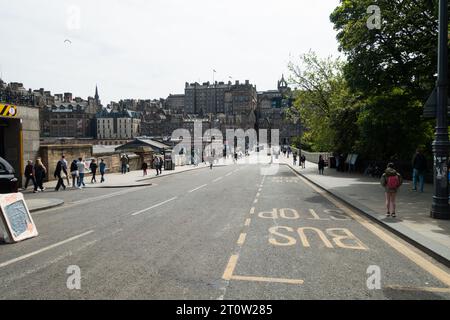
<point x="143" y="145"/>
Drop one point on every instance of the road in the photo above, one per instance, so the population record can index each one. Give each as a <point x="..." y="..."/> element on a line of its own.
<point x="226" y="233"/>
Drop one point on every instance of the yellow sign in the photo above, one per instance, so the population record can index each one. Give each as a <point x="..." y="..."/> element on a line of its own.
<point x="8" y="110"/>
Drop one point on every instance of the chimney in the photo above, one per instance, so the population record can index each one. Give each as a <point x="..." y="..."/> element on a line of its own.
<point x="237" y="82"/>
<point x="67" y="97"/>
<point x="247" y="82"/>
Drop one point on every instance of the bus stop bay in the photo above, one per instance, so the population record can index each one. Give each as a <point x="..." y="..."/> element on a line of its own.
<point x="305" y="214"/>
<point x="301" y="229"/>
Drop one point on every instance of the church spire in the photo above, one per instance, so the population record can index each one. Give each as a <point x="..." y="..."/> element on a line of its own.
<point x="97" y="97"/>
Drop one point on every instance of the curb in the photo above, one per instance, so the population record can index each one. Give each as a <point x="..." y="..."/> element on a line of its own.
<point x="410" y="236"/>
<point x="47" y="207"/>
<point x="174" y="173"/>
<point x="122" y="186"/>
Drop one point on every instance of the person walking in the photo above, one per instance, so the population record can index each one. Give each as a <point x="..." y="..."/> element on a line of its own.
<point x="93" y="167"/>
<point x="161" y="163"/>
<point x="40" y="172"/>
<point x="391" y="180"/>
<point x="156" y="165"/>
<point x="295" y="158"/>
<point x="81" y="171"/>
<point x="74" y="173"/>
<point x="419" y="170"/>
<point x="30" y="175"/>
<point x="303" y="161"/>
<point x="144" y="168"/>
<point x="67" y="166"/>
<point x="59" y="170"/>
<point x="102" y="167"/>
<point x="124" y="162"/>
<point x="321" y="164"/>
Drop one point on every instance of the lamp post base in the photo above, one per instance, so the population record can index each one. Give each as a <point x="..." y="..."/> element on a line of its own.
<point x="440" y="209"/>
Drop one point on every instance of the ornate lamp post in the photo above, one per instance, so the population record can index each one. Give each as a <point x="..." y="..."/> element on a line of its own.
<point x="440" y="208"/>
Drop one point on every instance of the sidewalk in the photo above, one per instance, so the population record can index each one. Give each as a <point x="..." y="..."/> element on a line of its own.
<point x="129" y="180"/>
<point x="413" y="222"/>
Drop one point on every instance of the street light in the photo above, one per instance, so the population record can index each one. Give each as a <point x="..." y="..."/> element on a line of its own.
<point x="440" y="208"/>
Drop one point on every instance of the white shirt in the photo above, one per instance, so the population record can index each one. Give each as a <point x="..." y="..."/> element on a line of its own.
<point x="81" y="166"/>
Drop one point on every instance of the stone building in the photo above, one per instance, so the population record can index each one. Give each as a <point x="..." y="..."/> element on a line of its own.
<point x="272" y="112"/>
<point x="175" y="103"/>
<point x="70" y="117"/>
<point x="219" y="97"/>
<point x="114" y="125"/>
<point x="19" y="131"/>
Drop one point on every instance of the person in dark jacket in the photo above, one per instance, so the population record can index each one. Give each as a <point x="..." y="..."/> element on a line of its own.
<point x="30" y="175"/>
<point x="321" y="164"/>
<point x="102" y="170"/>
<point x="419" y="170"/>
<point x="40" y="171"/>
<point x="74" y="173"/>
<point x="144" y="168"/>
<point x="391" y="180"/>
<point x="93" y="167"/>
<point x="60" y="168"/>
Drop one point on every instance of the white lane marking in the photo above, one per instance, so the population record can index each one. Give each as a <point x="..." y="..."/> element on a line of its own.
<point x="152" y="207"/>
<point x="4" y="264"/>
<point x="49" y="263"/>
<point x="105" y="196"/>
<point x="218" y="179"/>
<point x="228" y="174"/>
<point x="88" y="200"/>
<point x="256" y="201"/>
<point x="198" y="188"/>
<point x="258" y="194"/>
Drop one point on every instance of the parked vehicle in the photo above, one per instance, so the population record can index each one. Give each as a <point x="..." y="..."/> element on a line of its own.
<point x="8" y="180"/>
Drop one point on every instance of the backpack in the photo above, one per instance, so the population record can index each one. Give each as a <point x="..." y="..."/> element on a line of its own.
<point x="393" y="182"/>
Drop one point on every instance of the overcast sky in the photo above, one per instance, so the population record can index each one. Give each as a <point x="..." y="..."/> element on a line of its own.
<point x="150" y="48"/>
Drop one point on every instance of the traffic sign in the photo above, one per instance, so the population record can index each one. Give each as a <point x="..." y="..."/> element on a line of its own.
<point x="8" y="110"/>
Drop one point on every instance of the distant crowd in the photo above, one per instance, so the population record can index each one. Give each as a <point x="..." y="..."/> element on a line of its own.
<point x="37" y="172"/>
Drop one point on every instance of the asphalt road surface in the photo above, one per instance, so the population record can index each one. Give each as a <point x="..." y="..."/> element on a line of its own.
<point x="226" y="233"/>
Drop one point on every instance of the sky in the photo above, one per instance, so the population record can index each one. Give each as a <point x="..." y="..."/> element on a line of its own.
<point x="146" y="49"/>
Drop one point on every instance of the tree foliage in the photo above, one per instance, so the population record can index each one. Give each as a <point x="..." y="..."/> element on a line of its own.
<point x="403" y="53"/>
<point x="393" y="71"/>
<point x="323" y="100"/>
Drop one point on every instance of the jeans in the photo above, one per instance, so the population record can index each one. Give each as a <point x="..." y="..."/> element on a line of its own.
<point x="60" y="183"/>
<point x="124" y="169"/>
<point x="421" y="176"/>
<point x="74" y="180"/>
<point x="81" y="180"/>
<point x="32" y="180"/>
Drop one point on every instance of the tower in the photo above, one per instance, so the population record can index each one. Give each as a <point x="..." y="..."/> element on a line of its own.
<point x="282" y="84"/>
<point x="96" y="97"/>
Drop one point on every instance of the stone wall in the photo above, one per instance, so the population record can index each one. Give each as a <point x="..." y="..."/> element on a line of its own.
<point x="51" y="154"/>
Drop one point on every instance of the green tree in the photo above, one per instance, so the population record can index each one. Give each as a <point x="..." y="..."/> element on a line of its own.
<point x="323" y="99"/>
<point x="392" y="69"/>
<point x="403" y="53"/>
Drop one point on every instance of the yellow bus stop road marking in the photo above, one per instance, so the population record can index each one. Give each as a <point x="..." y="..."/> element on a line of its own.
<point x="228" y="275"/>
<point x="425" y="289"/>
<point x="241" y="239"/>
<point x="426" y="265"/>
<point x="264" y="279"/>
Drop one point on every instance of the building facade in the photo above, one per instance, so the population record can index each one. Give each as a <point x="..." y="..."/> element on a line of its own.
<point x="273" y="112"/>
<point x="114" y="125"/>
